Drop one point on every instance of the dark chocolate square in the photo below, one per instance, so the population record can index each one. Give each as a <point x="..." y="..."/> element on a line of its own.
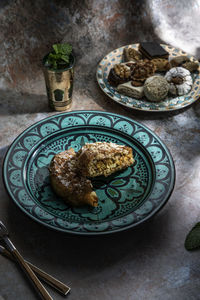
<point x="152" y="50"/>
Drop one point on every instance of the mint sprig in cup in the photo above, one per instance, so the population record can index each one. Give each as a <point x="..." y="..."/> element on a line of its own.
<point x="59" y="58"/>
<point x="59" y="73"/>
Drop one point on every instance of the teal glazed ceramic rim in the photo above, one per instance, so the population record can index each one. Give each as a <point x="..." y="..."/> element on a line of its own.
<point x="169" y="104"/>
<point x="126" y="199"/>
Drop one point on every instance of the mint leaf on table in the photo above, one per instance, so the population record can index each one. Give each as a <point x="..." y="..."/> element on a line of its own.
<point x="192" y="240"/>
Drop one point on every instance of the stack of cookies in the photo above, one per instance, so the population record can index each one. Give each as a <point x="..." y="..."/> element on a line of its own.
<point x="149" y="72"/>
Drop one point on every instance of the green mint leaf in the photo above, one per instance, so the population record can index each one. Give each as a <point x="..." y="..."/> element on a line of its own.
<point x="59" y="56"/>
<point x="192" y="240"/>
<point x="56" y="48"/>
<point x="62" y="48"/>
<point x="51" y="57"/>
<point x="65" y="58"/>
<point x="66" y="49"/>
<point x="55" y="64"/>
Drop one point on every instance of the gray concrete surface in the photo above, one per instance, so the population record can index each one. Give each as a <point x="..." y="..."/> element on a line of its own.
<point x="149" y="262"/>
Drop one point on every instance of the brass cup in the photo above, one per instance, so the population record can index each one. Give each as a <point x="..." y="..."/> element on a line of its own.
<point x="59" y="85"/>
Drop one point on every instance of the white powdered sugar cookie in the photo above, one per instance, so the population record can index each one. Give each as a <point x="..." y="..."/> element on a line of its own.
<point x="180" y="81"/>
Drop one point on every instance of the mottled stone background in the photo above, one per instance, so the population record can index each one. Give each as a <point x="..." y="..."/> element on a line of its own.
<point x="28" y="29"/>
<point x="149" y="262"/>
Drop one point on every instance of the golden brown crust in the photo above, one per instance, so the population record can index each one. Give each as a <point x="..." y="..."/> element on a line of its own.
<point x="137" y="83"/>
<point x="103" y="158"/>
<point x="191" y="65"/>
<point x="68" y="170"/>
<point x="161" y="64"/>
<point x="130" y="54"/>
<point x="142" y="70"/>
<point x="68" y="183"/>
<point x="120" y="73"/>
<point x="177" y="61"/>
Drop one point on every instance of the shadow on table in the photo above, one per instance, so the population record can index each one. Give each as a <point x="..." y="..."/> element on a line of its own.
<point x="54" y="248"/>
<point x="12" y="103"/>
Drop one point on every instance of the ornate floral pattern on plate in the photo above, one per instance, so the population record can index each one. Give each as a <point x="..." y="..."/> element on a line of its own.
<point x="126" y="198"/>
<point x="169" y="104"/>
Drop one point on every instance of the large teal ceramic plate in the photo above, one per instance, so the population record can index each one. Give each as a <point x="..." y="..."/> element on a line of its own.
<point x="126" y="198"/>
<point x="169" y="104"/>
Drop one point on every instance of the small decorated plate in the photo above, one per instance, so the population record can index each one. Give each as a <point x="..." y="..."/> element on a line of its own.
<point x="169" y="104"/>
<point x="126" y="198"/>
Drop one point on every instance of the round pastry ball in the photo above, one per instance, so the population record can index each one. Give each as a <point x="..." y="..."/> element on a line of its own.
<point x="156" y="88"/>
<point x="180" y="81"/>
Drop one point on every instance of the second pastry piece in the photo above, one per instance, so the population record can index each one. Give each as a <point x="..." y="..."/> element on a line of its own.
<point x="68" y="183"/>
<point x="97" y="159"/>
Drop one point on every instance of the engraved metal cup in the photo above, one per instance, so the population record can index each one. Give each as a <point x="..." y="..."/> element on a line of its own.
<point x="59" y="85"/>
